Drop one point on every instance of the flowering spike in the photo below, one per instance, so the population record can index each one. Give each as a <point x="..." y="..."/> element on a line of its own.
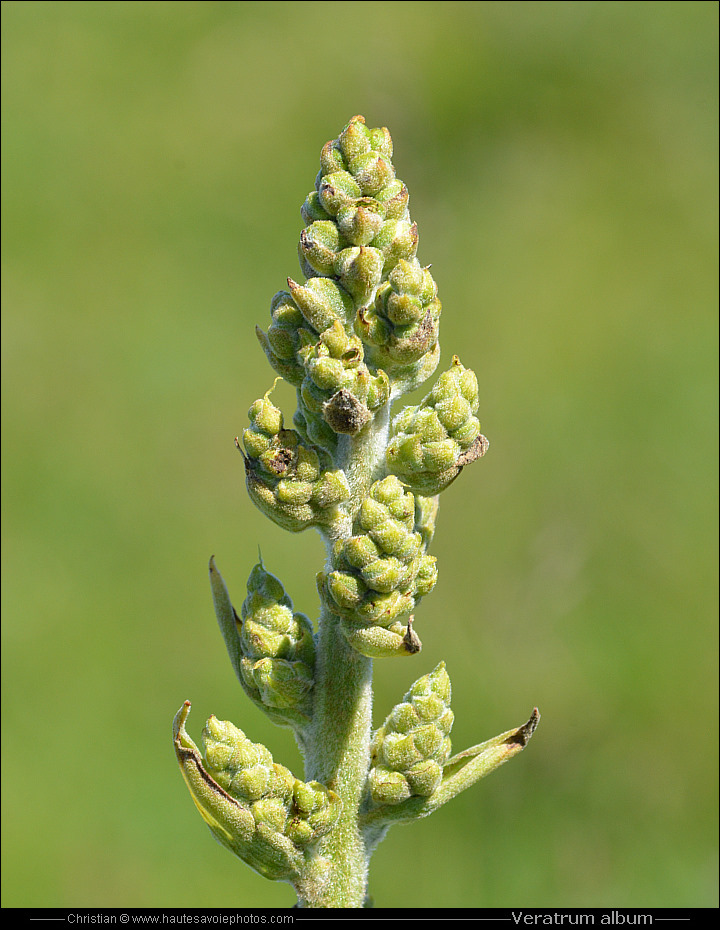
<point x="357" y="329"/>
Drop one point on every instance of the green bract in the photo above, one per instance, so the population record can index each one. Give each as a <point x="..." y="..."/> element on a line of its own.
<point x="356" y="332"/>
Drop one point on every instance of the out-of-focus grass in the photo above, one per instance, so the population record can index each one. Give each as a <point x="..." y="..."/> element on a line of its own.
<point x="561" y="163"/>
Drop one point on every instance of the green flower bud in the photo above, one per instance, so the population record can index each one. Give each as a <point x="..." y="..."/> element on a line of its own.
<point x="426" y="577"/>
<point x="291" y="482"/>
<point x="319" y="245"/>
<point x="387" y="786"/>
<point x="359" y="270"/>
<point x="372" y="172"/>
<point x="380" y="642"/>
<point x="266" y="418"/>
<point x="327" y="373"/>
<point x="361" y="221"/>
<point x="278" y="650"/>
<point x="313" y="209"/>
<point x="380" y="141"/>
<point x="287" y="369"/>
<point x="331" y="159"/>
<point x="398" y="240"/>
<point x="394" y="199"/>
<point x="355" y="139"/>
<point x="380" y="572"/>
<point x="338" y="190"/>
<point x="256" y="808"/>
<point x="322" y="302"/>
<point x="432" y="442"/>
<point x="411" y="747"/>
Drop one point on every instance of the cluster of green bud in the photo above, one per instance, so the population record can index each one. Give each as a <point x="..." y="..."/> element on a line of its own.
<point x="365" y="323"/>
<point x="381" y="571"/>
<point x="311" y="344"/>
<point x="254" y="806"/>
<point x="339" y="388"/>
<point x="358" y="225"/>
<point x="412" y="746"/>
<point x="278" y="650"/>
<point x="292" y="482"/>
<point x="400" y="328"/>
<point x="432" y="441"/>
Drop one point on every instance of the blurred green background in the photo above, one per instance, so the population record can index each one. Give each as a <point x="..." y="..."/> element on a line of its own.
<point x="561" y="161"/>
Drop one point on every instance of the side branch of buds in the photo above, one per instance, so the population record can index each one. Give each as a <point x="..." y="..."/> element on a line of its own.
<point x="253" y="806"/>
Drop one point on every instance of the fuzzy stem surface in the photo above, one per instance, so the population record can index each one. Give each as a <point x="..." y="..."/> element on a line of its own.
<point x="337" y="755"/>
<point x="337" y="751"/>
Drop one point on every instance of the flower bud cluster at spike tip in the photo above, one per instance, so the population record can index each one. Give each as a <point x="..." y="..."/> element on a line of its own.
<point x="365" y="323"/>
<point x="358" y="225"/>
<point x="278" y="650"/>
<point x="431" y="442"/>
<point x="291" y="482"/>
<point x="379" y="574"/>
<point x="255" y="807"/>
<point x="411" y="747"/>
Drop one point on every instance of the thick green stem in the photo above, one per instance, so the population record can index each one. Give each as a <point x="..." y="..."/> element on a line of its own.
<point x="337" y="751"/>
<point x="361" y="456"/>
<point x="337" y="755"/>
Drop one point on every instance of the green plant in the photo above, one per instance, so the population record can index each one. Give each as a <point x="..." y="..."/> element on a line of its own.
<point x="360" y="332"/>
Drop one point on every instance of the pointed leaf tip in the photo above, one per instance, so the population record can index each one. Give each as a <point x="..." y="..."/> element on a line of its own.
<point x="181" y="716"/>
<point x="523" y="733"/>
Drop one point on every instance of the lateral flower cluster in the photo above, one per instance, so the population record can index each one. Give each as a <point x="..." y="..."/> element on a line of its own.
<point x="380" y="572"/>
<point x="277" y="648"/>
<point x="411" y="747"/>
<point x="255" y="807"/>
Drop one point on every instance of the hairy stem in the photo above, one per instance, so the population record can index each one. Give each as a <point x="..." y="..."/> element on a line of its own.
<point x="337" y="754"/>
<point x="360" y="457"/>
